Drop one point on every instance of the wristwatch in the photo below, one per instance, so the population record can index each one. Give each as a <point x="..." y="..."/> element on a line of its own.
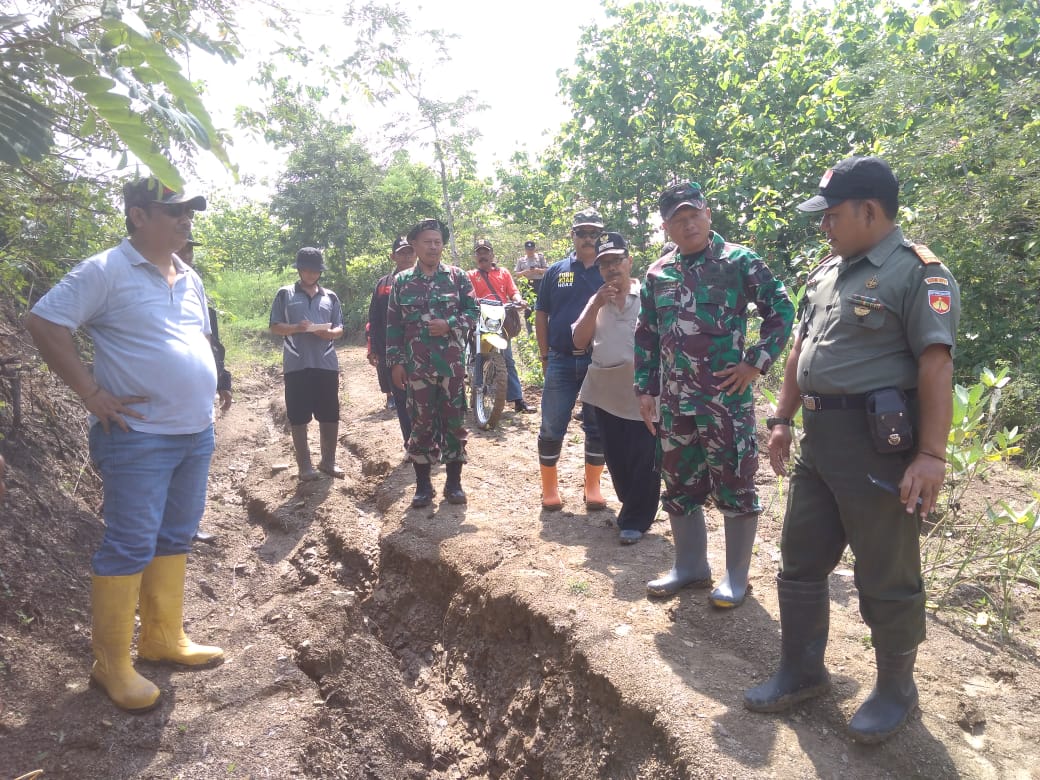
<point x="771" y="421"/>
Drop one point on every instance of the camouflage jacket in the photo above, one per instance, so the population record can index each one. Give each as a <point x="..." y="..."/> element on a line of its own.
<point x="415" y="299"/>
<point x="693" y="322"/>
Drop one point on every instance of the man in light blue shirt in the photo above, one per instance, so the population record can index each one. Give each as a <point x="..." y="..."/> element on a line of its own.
<point x="150" y="398"/>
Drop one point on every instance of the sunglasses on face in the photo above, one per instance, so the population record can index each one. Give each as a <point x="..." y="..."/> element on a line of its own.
<point x="588" y="233"/>
<point x="176" y="210"/>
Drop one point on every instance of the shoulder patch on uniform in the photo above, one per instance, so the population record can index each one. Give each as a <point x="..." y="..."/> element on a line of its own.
<point x="924" y="254"/>
<point x="937" y="280"/>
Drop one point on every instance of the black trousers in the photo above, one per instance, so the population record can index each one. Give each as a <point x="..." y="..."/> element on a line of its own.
<point x="631" y="454"/>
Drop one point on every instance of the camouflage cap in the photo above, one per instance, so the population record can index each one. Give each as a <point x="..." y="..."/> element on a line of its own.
<point x="588" y="217"/>
<point x="679" y="195"/>
<point x="142" y="192"/>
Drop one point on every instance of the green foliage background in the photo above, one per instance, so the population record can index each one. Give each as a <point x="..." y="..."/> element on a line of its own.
<point x="754" y="100"/>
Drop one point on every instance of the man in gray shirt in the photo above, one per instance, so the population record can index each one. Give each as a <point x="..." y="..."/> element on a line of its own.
<point x="150" y="398"/>
<point x="310" y="319"/>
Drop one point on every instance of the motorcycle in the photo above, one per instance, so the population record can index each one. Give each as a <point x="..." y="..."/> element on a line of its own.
<point x="485" y="363"/>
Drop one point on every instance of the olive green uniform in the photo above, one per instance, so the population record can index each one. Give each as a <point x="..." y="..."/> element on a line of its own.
<point x="866" y="322"/>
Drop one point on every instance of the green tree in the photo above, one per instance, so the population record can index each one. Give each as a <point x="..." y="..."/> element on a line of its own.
<point x="108" y="79"/>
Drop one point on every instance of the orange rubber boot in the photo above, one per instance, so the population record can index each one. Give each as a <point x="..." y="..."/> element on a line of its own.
<point x="551" y="501"/>
<point x="593" y="497"/>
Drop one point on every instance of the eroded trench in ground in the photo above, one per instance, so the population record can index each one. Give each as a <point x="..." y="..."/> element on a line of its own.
<point x="431" y="673"/>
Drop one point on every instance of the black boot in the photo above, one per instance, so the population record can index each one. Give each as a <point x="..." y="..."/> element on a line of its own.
<point x="890" y="703"/>
<point x="423" y="487"/>
<point x="804" y="622"/>
<point x="453" y="484"/>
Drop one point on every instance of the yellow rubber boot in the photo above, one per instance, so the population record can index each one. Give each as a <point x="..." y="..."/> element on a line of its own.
<point x="162" y="616"/>
<point x="551" y="501"/>
<point x="593" y="497"/>
<point x="113" y="603"/>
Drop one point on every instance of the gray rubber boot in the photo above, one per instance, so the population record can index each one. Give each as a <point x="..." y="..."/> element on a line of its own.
<point x="691" y="556"/>
<point x="740" y="543"/>
<point x="303" y="454"/>
<point x="805" y="609"/>
<point x="890" y="703"/>
<point x="329" y="432"/>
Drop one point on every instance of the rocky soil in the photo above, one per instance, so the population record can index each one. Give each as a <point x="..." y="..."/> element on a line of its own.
<point x="365" y="639"/>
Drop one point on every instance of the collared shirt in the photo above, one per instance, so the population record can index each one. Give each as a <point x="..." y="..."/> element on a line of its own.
<point x="868" y="319"/>
<point x="524" y="263"/>
<point x="566" y="288"/>
<point x="415" y="300"/>
<point x="498" y="283"/>
<point x="693" y="321"/>
<point x="608" y="383"/>
<point x="150" y="338"/>
<point x="291" y="305"/>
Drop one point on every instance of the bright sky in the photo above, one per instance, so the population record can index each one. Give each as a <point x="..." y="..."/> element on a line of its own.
<point x="506" y="52"/>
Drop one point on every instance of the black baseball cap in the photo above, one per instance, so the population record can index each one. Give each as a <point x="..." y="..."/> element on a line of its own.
<point x="428" y="224"/>
<point x="399" y="243"/>
<point x="310" y="259"/>
<point x="611" y="244"/>
<point x="142" y="192"/>
<point x="855" y="178"/>
<point x="483" y="243"/>
<point x="529" y="245"/>
<point x="678" y="195"/>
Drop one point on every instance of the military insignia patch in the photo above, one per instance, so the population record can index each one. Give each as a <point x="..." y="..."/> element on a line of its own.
<point x="872" y="283"/>
<point x="860" y="311"/>
<point x="937" y="280"/>
<point x="939" y="301"/>
<point x="924" y="254"/>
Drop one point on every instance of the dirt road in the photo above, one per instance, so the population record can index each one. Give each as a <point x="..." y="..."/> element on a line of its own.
<point x="367" y="639"/>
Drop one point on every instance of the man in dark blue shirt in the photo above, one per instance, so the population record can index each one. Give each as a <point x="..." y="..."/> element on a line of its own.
<point x="566" y="288"/>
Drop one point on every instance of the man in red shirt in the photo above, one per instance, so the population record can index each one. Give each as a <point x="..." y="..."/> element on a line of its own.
<point x="490" y="281"/>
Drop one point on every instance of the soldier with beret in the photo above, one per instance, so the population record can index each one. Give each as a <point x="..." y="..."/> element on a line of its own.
<point x="691" y="351"/>
<point x="874" y="349"/>
<point x="429" y="315"/>
<point x="309" y="318"/>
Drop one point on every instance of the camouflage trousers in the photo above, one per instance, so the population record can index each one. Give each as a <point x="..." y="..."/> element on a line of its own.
<point x="704" y="455"/>
<point x="437" y="408"/>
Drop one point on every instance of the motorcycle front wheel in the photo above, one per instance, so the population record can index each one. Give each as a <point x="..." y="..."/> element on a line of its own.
<point x="489" y="389"/>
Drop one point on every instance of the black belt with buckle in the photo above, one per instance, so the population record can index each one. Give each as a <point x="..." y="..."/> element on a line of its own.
<point x="571" y="352"/>
<point x="823" y="403"/>
<point x="827" y="403"/>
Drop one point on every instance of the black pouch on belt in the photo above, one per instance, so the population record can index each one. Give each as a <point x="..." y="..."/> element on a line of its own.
<point x="888" y="418"/>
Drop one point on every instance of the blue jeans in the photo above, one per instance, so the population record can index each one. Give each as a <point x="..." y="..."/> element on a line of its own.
<point x="563" y="377"/>
<point x="154" y="492"/>
<point x="514" y="392"/>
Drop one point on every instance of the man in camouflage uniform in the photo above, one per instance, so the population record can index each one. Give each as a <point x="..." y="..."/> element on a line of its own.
<point x="428" y="318"/>
<point x="880" y="312"/>
<point x="690" y="350"/>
